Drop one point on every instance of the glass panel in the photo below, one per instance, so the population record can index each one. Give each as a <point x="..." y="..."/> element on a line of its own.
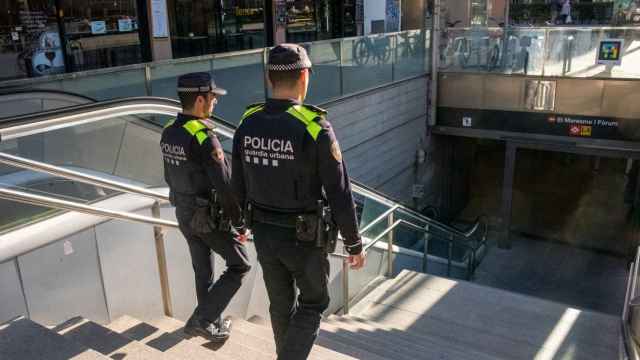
<point x="112" y="147"/>
<point x="120" y="84"/>
<point x="101" y="34"/>
<point x="325" y="80"/>
<point x="164" y="76"/>
<point x="410" y="54"/>
<point x="29" y="39"/>
<point x="525" y="51"/>
<point x="243" y="77"/>
<point x="367" y="62"/>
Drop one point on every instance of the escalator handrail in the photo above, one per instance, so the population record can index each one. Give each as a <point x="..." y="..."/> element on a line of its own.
<point x="58" y="118"/>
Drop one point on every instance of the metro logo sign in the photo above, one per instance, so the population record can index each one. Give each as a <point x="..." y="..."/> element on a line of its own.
<point x="580" y="130"/>
<point x="610" y="52"/>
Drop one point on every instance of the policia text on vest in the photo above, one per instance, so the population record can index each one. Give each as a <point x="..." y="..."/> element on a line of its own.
<point x="289" y="172"/>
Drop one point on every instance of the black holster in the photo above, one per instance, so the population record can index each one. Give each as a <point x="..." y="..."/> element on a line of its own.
<point x="208" y="215"/>
<point x="219" y="220"/>
<point x="318" y="228"/>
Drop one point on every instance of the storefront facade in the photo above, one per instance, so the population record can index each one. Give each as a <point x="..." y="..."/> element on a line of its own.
<point x="46" y="37"/>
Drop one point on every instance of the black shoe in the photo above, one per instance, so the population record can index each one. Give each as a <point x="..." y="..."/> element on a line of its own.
<point x="211" y="331"/>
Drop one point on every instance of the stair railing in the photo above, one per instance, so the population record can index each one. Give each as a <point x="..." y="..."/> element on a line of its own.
<point x="427" y="232"/>
<point x="630" y="323"/>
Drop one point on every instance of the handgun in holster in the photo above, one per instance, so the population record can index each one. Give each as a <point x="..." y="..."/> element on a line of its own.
<point x="317" y="228"/>
<point x="217" y="218"/>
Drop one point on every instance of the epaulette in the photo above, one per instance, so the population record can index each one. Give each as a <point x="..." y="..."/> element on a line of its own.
<point x="251" y="106"/>
<point x="251" y="109"/>
<point x="318" y="110"/>
<point x="208" y="123"/>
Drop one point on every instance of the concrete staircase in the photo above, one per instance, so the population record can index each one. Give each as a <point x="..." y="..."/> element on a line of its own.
<point x="413" y="316"/>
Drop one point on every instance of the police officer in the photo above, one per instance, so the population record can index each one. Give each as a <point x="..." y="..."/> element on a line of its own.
<point x="195" y="165"/>
<point x="285" y="159"/>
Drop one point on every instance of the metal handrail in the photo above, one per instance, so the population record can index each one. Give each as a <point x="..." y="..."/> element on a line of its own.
<point x="51" y="202"/>
<point x="27" y="164"/>
<point x="631" y="347"/>
<point x="83" y="114"/>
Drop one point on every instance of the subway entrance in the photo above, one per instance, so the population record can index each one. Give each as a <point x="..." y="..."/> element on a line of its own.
<point x="564" y="221"/>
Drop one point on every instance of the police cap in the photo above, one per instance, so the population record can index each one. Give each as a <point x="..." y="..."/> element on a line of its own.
<point x="287" y="57"/>
<point x="200" y="82"/>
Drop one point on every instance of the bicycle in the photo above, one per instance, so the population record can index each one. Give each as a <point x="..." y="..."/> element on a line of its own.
<point x="378" y="48"/>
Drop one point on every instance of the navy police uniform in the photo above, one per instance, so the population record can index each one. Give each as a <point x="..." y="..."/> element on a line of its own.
<point x="194" y="165"/>
<point x="285" y="159"/>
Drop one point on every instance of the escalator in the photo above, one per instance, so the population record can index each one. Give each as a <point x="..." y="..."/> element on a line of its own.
<point x="118" y="140"/>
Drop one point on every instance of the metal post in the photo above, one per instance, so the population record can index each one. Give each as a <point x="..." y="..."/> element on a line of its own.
<point x="161" y="254"/>
<point x="390" y="247"/>
<point x="265" y="61"/>
<point x="147" y="80"/>
<point x="507" y="195"/>
<point x="426" y="249"/>
<point x="345" y="286"/>
<point x="340" y="49"/>
<point x="450" y="255"/>
<point x="395" y="56"/>
<point x="435" y="58"/>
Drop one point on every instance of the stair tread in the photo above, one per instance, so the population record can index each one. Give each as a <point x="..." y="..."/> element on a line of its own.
<point x="505" y="314"/>
<point x="231" y="347"/>
<point x="485" y="339"/>
<point x="108" y="342"/>
<point x="168" y="342"/>
<point x="26" y="340"/>
<point x="265" y="334"/>
<point x="413" y="346"/>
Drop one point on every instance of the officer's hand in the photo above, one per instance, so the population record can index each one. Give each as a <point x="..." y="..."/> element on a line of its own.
<point x="246" y="235"/>
<point x="357" y="261"/>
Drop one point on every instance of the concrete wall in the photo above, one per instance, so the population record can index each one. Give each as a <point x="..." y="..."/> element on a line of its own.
<point x="380" y="131"/>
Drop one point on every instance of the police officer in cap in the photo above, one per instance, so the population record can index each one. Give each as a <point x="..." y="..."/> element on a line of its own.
<point x="199" y="179"/>
<point x="287" y="164"/>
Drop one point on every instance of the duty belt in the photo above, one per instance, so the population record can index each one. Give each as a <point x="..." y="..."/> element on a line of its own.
<point x="283" y="219"/>
<point x="189" y="201"/>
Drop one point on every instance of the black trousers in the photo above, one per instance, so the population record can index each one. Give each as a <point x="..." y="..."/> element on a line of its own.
<point x="288" y="264"/>
<point x="213" y="298"/>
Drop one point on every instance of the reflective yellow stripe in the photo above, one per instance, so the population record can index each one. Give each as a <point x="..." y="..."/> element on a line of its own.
<point x="306" y="116"/>
<point x="250" y="111"/>
<point x="195" y="127"/>
<point x="201" y="136"/>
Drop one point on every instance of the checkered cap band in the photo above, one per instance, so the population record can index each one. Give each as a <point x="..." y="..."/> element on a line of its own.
<point x="288" y="67"/>
<point x="195" y="89"/>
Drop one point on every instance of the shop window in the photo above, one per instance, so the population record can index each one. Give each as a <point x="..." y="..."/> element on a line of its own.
<point x="301" y="21"/>
<point x="101" y="33"/>
<point x="30" y="43"/>
<point x="206" y="27"/>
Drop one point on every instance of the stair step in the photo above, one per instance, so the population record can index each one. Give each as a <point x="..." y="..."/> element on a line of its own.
<point x="26" y="340"/>
<point x="265" y="334"/>
<point x="231" y="348"/>
<point x="517" y="318"/>
<point x="413" y="346"/>
<point x="168" y="342"/>
<point x="107" y="342"/>
<point x="486" y="340"/>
